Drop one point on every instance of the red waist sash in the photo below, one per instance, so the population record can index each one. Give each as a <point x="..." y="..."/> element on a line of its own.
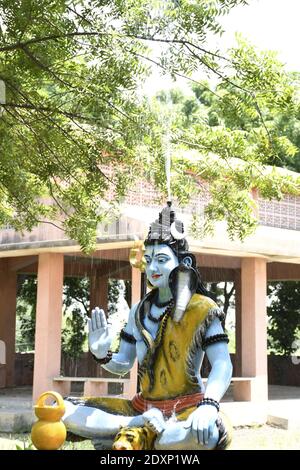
<point x="166" y="406"/>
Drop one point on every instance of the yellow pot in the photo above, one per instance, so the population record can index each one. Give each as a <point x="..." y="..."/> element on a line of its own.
<point x="49" y="433"/>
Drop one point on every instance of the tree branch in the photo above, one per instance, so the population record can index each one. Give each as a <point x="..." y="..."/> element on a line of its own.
<point x="181" y="42"/>
<point x="235" y="85"/>
<point x="175" y="73"/>
<point x="25" y="207"/>
<point x="51" y="37"/>
<point x="73" y="10"/>
<point x="67" y="114"/>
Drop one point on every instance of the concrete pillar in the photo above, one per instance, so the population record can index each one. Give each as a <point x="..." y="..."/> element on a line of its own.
<point x="8" y="296"/>
<point x="130" y="388"/>
<point x="254" y="330"/>
<point x="238" y="323"/>
<point x="48" y="323"/>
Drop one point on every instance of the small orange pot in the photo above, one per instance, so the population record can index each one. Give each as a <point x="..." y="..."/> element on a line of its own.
<point x="49" y="433"/>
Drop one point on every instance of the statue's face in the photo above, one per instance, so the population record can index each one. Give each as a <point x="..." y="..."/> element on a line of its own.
<point x="160" y="260"/>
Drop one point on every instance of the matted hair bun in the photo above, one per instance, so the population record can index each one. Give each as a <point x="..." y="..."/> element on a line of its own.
<point x="168" y="230"/>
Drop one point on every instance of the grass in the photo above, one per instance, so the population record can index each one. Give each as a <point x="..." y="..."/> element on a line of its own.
<point x="244" y="438"/>
<point x="13" y="441"/>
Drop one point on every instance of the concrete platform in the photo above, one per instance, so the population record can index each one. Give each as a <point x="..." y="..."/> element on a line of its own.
<point x="16" y="411"/>
<point x="282" y="409"/>
<point x="16" y="421"/>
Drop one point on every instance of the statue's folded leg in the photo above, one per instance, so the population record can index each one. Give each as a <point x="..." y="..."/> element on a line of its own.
<point x="225" y="432"/>
<point x="99" y="418"/>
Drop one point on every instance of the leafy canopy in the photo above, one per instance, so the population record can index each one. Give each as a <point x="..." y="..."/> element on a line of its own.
<point x="73" y="71"/>
<point x="230" y="137"/>
<point x="284" y="317"/>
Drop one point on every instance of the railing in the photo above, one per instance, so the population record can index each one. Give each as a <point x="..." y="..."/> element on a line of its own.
<point x="283" y="214"/>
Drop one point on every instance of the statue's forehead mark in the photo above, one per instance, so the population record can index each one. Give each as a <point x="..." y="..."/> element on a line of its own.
<point x="161" y="253"/>
<point x="158" y="250"/>
<point x="150" y="253"/>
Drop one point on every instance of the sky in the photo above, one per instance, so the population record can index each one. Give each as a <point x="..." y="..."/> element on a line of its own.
<point x="267" y="24"/>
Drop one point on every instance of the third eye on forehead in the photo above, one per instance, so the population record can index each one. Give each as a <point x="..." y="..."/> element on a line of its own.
<point x="155" y="252"/>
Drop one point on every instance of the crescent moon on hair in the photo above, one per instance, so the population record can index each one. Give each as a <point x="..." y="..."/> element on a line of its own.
<point x="177" y="235"/>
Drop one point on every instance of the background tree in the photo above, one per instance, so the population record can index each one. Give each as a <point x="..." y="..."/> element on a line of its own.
<point x="75" y="310"/>
<point x="26" y="310"/>
<point x="76" y="291"/>
<point x="236" y="129"/>
<point x="119" y="295"/>
<point x="202" y="105"/>
<point x="74" y="336"/>
<point x="76" y="306"/>
<point x="118" y="290"/>
<point x="224" y="293"/>
<point x="73" y="72"/>
<point x="76" y="303"/>
<point x="284" y="316"/>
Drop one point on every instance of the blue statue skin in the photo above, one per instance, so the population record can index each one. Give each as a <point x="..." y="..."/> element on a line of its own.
<point x="199" y="431"/>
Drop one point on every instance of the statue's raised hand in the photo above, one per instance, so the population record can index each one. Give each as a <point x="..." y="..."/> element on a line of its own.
<point x="100" y="333"/>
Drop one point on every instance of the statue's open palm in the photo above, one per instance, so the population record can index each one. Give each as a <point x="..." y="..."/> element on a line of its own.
<point x="100" y="333"/>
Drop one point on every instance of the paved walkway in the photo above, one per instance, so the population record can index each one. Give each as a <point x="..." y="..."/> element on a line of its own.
<point x="284" y="407"/>
<point x="16" y="411"/>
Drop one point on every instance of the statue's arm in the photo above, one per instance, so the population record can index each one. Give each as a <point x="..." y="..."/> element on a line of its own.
<point x="123" y="360"/>
<point x="221" y="367"/>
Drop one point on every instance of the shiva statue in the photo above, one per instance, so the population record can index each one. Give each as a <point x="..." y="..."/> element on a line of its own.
<point x="168" y="331"/>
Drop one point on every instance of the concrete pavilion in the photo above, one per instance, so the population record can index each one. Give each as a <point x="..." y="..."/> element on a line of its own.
<point x="272" y="253"/>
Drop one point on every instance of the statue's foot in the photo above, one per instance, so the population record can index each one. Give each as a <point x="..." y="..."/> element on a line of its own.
<point x="155" y="420"/>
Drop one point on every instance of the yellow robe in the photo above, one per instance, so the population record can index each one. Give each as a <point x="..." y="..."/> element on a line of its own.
<point x="168" y="369"/>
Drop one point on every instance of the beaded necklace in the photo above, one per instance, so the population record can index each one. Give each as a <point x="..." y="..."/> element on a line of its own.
<point x="158" y="303"/>
<point x="170" y="305"/>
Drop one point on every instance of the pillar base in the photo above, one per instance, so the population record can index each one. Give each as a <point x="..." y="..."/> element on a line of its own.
<point x="254" y="389"/>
